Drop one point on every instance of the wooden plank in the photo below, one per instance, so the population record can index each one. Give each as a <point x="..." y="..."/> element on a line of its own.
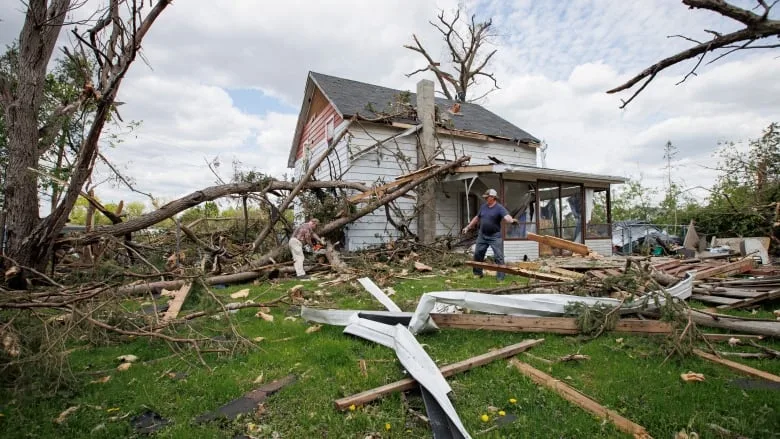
<point x="574" y="396"/>
<point x="518" y="271"/>
<point x="729" y="269"/>
<point x="566" y="273"/>
<point x="748" y="302"/>
<point x="714" y="299"/>
<point x="747" y="370"/>
<point x="473" y="168"/>
<point x="740" y="294"/>
<point x="613" y="272"/>
<point x="415" y="173"/>
<point x="556" y="325"/>
<point x="174" y="306"/>
<point x="449" y="370"/>
<point x="559" y="243"/>
<point x="727" y="337"/>
<point x="598" y="274"/>
<point x="668" y="265"/>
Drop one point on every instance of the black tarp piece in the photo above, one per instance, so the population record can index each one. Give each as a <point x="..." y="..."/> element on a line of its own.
<point x="148" y="422"/>
<point x="246" y="403"/>
<point x="441" y="425"/>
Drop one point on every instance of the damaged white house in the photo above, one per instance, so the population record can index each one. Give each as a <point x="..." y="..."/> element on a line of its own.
<point x="382" y="145"/>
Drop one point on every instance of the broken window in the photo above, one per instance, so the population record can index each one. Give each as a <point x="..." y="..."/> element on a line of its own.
<point x="520" y="201"/>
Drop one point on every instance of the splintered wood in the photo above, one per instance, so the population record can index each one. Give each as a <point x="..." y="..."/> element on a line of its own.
<point x="174" y="306"/>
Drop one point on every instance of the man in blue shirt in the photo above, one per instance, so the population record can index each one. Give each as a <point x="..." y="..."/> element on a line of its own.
<point x="489" y="218"/>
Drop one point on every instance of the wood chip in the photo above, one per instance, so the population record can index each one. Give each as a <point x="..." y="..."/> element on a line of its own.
<point x="103" y="380"/>
<point x="264" y="316"/>
<point x="363" y="367"/>
<point x="313" y="328"/>
<point x="67" y="412"/>
<point x="258" y="339"/>
<point x="127" y="358"/>
<point x="240" y="294"/>
<point x="692" y="376"/>
<point x="419" y="266"/>
<point x="123" y="367"/>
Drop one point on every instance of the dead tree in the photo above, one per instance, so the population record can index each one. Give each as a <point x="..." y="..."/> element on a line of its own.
<point x="757" y="27"/>
<point x="467" y="55"/>
<point x="112" y="43"/>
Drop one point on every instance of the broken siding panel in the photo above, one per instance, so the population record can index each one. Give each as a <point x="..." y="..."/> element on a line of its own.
<point x="480" y="150"/>
<point x="600" y="246"/>
<point x="515" y="250"/>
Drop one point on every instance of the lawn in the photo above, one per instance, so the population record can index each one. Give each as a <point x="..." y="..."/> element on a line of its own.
<point x="625" y="373"/>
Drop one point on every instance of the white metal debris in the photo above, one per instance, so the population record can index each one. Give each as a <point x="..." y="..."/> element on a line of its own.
<point x="413" y="358"/>
<point x="375" y="291"/>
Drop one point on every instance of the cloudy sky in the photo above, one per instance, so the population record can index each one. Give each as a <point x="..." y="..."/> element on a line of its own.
<point x="226" y="82"/>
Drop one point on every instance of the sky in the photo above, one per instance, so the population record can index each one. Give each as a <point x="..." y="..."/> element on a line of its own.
<point x="224" y="84"/>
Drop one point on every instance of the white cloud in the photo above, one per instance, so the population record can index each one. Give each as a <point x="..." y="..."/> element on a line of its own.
<point x="554" y="63"/>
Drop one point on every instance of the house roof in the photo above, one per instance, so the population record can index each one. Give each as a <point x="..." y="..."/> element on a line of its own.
<point x="511" y="172"/>
<point x="354" y="97"/>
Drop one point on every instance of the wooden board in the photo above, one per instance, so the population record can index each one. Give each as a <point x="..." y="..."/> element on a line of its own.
<point x="737" y="293"/>
<point x="518" y="271"/>
<point x="574" y="396"/>
<point x="729" y="269"/>
<point x="738" y="366"/>
<point x="556" y="325"/>
<point x="717" y="300"/>
<point x="174" y="306"/>
<point x="552" y="241"/>
<point x="566" y="273"/>
<point x="771" y="295"/>
<point x="451" y="369"/>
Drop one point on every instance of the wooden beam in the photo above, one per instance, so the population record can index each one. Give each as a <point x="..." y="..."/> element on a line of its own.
<point x="473" y="168"/>
<point x="727" y="337"/>
<point x="732" y="268"/>
<point x="574" y="396"/>
<point x="771" y="295"/>
<point x="747" y="370"/>
<point x="552" y="241"/>
<point x="518" y="271"/>
<point x="451" y="369"/>
<point x="174" y="306"/>
<point x="556" y="325"/>
<point x="714" y="299"/>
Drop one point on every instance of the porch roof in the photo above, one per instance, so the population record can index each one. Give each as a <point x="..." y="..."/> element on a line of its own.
<point x="525" y="172"/>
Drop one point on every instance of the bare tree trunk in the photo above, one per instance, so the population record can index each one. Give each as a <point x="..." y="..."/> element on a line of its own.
<point x="22" y="105"/>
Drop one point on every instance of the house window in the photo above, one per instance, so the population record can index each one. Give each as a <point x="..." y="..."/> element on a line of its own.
<point x="596" y="214"/>
<point x="468" y="209"/>
<point x="329" y="128"/>
<point x="520" y="201"/>
<point x="561" y="210"/>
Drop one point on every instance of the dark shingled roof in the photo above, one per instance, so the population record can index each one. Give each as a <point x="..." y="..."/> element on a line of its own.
<point x="351" y="97"/>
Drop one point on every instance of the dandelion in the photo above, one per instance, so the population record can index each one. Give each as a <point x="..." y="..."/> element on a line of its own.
<point x="512" y="401"/>
<point x="387" y="426"/>
<point x="501" y="413"/>
<point x="352" y="408"/>
<point x="484" y="418"/>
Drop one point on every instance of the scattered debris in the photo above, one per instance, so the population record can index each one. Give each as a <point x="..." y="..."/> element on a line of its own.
<point x="247" y="403"/>
<point x="692" y="376"/>
<point x="741" y="368"/>
<point x="148" y="422"/>
<point x="419" y="266"/>
<point x="313" y="328"/>
<point x="124" y="366"/>
<point x="127" y="358"/>
<point x="264" y="316"/>
<point x="240" y="294"/>
<point x="67" y="412"/>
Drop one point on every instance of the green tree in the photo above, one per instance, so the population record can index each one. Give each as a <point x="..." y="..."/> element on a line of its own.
<point x="633" y="201"/>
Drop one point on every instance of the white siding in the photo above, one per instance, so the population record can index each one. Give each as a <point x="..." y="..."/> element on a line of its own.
<point x="479" y="151"/>
<point x="600" y="246"/>
<point x="515" y="250"/>
<point x="398" y="157"/>
<point x="380" y="165"/>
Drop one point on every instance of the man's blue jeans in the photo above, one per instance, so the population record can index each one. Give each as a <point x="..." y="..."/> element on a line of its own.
<point x="494" y="242"/>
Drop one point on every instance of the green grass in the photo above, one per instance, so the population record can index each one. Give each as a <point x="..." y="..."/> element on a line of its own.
<point x="629" y="376"/>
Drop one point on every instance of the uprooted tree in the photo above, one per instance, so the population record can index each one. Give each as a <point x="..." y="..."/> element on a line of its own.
<point x="758" y="27"/>
<point x="466" y="43"/>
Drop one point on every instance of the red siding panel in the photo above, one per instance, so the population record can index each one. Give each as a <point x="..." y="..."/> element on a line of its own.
<point x="315" y="129"/>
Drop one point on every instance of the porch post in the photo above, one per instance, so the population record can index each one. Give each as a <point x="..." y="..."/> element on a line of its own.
<point x="426" y="193"/>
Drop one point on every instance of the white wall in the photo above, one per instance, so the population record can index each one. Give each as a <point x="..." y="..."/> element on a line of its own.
<point x="600" y="246"/>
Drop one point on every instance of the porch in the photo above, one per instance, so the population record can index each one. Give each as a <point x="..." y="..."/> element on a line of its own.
<point x="575" y="206"/>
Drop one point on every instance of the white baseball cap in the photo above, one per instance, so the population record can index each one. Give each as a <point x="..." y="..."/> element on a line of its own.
<point x="490" y="193"/>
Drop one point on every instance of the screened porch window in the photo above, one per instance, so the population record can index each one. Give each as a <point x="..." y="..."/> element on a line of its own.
<point x="468" y="208"/>
<point x="520" y="201"/>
